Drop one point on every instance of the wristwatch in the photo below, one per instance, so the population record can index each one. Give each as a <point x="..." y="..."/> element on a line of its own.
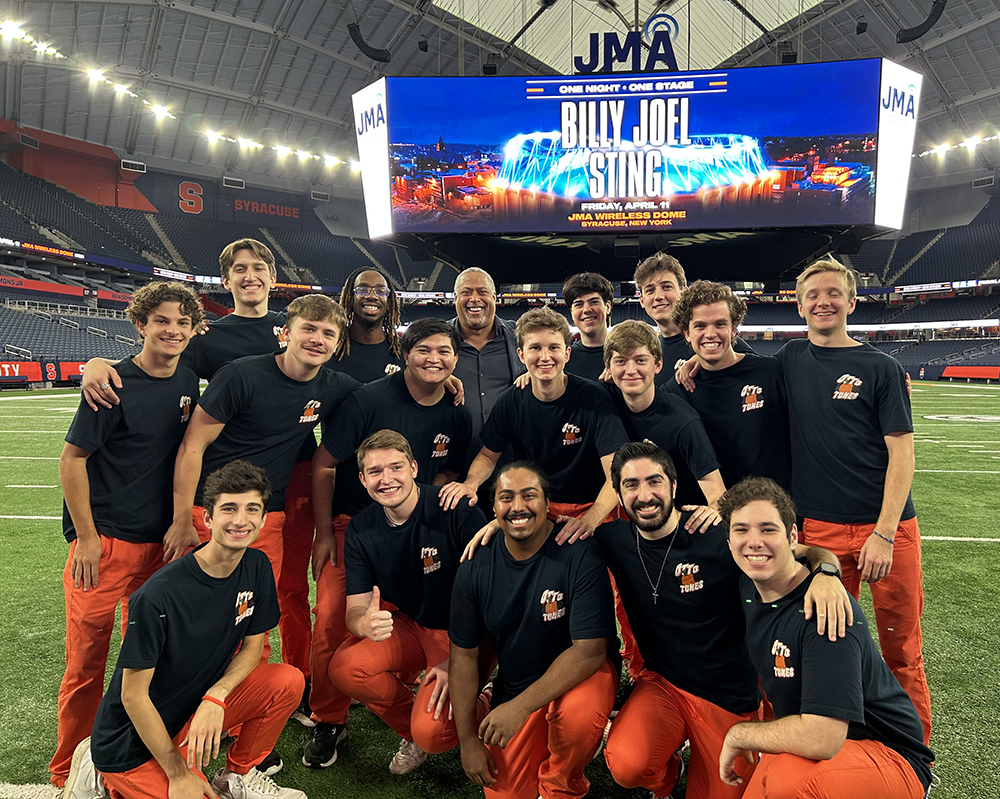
<point x="828" y="569"/>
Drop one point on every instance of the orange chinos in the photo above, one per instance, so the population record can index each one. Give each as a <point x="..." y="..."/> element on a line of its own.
<point x="860" y="770"/>
<point x="654" y="723"/>
<point x="295" y="626"/>
<point x="268" y="542"/>
<point x="329" y="704"/>
<point x="369" y="672"/>
<point x="547" y="756"/>
<point x="259" y="706"/>
<point x="90" y="618"/>
<point x="898" y="599"/>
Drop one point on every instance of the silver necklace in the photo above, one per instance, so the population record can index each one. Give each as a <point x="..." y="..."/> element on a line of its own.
<point x="662" y="565"/>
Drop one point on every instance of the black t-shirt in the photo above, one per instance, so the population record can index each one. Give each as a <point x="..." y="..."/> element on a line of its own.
<point x="675" y="348"/>
<point x="846" y="679"/>
<point x="233" y="337"/>
<point x="186" y="625"/>
<point x="585" y="361"/>
<point x="414" y="564"/>
<point x="674" y="427"/>
<point x="745" y="414"/>
<point x="693" y="634"/>
<point x="133" y="446"/>
<point x="567" y="437"/>
<point x="842" y="402"/>
<point x="267" y="416"/>
<point x="438" y="435"/>
<point x="533" y="608"/>
<point x="368" y="362"/>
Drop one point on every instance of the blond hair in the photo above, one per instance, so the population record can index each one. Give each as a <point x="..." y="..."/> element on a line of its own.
<point x="828" y="264"/>
<point x="626" y="337"/>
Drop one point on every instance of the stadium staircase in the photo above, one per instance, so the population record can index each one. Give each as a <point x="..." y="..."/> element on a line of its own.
<point x="282" y="255"/>
<point x="174" y="252"/>
<point x="891" y="280"/>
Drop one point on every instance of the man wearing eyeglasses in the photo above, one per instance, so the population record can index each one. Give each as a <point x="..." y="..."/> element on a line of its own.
<point x="370" y="350"/>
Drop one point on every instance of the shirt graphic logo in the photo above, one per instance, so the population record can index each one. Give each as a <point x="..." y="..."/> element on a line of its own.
<point x="432" y="562"/>
<point x="751" y="398"/>
<point x="281" y="335"/>
<point x="687" y="572"/>
<point x="553" y="604"/>
<point x="185" y="405"/>
<point x="845" y="388"/>
<point x="244" y="605"/>
<point x="392" y="368"/>
<point x="441" y="442"/>
<point x="571" y="435"/>
<point x="310" y="413"/>
<point x="781" y="652"/>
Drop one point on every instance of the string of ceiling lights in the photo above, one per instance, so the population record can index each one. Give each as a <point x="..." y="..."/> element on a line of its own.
<point x="11" y="32"/>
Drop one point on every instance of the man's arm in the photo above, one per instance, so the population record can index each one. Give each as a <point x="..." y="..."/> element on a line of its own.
<point x="98" y="377"/>
<point x="464" y="682"/>
<point x="806" y="735"/>
<point x="324" y="478"/>
<point x="479" y="472"/>
<point x="366" y="619"/>
<point x="76" y="492"/>
<point x="583" y="527"/>
<point x="875" y="560"/>
<point x="834" y="613"/>
<point x="704" y="517"/>
<point x="574" y="665"/>
<point x="202" y="430"/>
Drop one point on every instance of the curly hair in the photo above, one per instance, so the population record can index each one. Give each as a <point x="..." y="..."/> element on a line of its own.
<point x="158" y="292"/>
<point x="705" y="292"/>
<point x="390" y="322"/>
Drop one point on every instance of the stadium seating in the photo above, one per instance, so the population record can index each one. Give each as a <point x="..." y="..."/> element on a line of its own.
<point x="951" y="309"/>
<point x="873" y="257"/>
<point x="199" y="241"/>
<point x="48" y="340"/>
<point x="963" y="253"/>
<point x="14" y="226"/>
<point x="906" y="248"/>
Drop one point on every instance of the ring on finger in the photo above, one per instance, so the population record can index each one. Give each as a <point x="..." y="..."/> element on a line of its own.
<point x="105" y="386"/>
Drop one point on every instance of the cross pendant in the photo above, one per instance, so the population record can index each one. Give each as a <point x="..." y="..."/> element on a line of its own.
<point x="655" y="595"/>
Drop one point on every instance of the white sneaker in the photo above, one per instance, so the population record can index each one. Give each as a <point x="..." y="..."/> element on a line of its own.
<point x="83" y="781"/>
<point x="407" y="758"/>
<point x="255" y="785"/>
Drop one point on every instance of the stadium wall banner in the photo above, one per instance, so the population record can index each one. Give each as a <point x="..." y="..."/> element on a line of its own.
<point x="801" y="145"/>
<point x="19" y="371"/>
<point x="40" y="285"/>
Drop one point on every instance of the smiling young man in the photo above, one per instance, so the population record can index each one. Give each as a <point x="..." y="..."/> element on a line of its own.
<point x="681" y="595"/>
<point x="564" y="423"/>
<point x="415" y="403"/>
<point x="190" y="667"/>
<point x="843" y="725"/>
<point x="740" y="396"/>
<point x="853" y="459"/>
<point x="404" y="549"/>
<point x="116" y="470"/>
<point x="589" y="297"/>
<point x="370" y="350"/>
<point x="549" y="610"/>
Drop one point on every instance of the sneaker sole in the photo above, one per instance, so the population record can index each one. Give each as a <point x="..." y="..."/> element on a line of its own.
<point x="332" y="760"/>
<point x="74" y="772"/>
<point x="303" y="719"/>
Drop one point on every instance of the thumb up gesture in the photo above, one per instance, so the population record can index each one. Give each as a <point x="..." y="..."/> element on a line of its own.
<point x="377" y="623"/>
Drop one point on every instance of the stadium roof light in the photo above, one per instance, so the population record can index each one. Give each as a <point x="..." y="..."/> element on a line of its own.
<point x="941" y="149"/>
<point x="282" y="151"/>
<point x="213" y="136"/>
<point x="95" y="75"/>
<point x="355" y="166"/>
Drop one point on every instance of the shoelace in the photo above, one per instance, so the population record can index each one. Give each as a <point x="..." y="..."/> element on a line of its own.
<point x="260" y="782"/>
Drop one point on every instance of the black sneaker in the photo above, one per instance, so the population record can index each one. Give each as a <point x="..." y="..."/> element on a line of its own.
<point x="303" y="713"/>
<point x="321" y="751"/>
<point x="271" y="764"/>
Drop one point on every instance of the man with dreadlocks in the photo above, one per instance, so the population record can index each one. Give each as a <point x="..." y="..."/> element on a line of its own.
<point x="370" y="350"/>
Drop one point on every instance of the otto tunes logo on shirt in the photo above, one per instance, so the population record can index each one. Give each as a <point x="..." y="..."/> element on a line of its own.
<point x="244" y="605"/>
<point x="687" y="572"/>
<point x="430" y="558"/>
<point x="441" y="442"/>
<point x="185" y="405"/>
<point x="845" y="387"/>
<point x="752" y="398"/>
<point x="392" y="368"/>
<point x="553" y="605"/>
<point x="571" y="435"/>
<point x="281" y="335"/>
<point x="781" y="652"/>
<point x="310" y="413"/>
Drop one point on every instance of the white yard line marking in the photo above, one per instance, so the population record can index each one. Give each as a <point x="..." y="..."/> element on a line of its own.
<point x="43" y="518"/>
<point x="953" y="471"/>
<point x="25" y="458"/>
<point x="20" y="486"/>
<point x="53" y="432"/>
<point x="957" y="538"/>
<point x="961" y="446"/>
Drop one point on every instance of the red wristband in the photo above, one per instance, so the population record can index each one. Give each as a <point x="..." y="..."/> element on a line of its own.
<point x="214" y="701"/>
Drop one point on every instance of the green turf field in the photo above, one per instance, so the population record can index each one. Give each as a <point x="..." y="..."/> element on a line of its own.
<point x="956" y="491"/>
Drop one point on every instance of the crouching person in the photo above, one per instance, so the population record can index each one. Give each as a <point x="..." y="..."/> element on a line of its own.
<point x="190" y="667"/>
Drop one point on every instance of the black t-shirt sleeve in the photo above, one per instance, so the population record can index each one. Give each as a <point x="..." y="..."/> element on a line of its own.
<point x="466" y="626"/>
<point x="739" y="345"/>
<point x="472" y="520"/>
<point x="346" y="431"/>
<point x="894" y="414"/>
<point x="266" y="613"/>
<point x="145" y="636"/>
<point x="831" y="678"/>
<point x="226" y="395"/>
<point x="592" y="613"/>
<point x="360" y="578"/>
<point x="458" y="457"/>
<point x="697" y="449"/>
<point x="498" y="432"/>
<point x="90" y="431"/>
<point x="194" y="358"/>
<point x="610" y="430"/>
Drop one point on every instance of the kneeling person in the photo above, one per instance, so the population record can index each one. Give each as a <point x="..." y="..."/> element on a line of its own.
<point x="404" y="549"/>
<point x="550" y="611"/>
<point x="190" y="666"/>
<point x="842" y="722"/>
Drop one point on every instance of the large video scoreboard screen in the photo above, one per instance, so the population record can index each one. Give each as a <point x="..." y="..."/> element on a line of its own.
<point x="789" y="146"/>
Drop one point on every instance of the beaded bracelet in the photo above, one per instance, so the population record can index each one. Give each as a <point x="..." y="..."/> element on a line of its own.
<point x="214" y="701"/>
<point x="888" y="540"/>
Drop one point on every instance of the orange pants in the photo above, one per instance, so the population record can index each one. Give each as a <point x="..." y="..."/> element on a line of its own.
<point x="295" y="626"/>
<point x="260" y="706"/>
<point x="654" y="723"/>
<point x="369" y="672"/>
<point x="329" y="704"/>
<point x="898" y="599"/>
<point x="90" y="618"/>
<point x="268" y="542"/>
<point x="860" y="770"/>
<point x="547" y="756"/>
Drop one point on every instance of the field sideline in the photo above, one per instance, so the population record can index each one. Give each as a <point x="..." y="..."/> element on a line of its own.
<point x="957" y="495"/>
